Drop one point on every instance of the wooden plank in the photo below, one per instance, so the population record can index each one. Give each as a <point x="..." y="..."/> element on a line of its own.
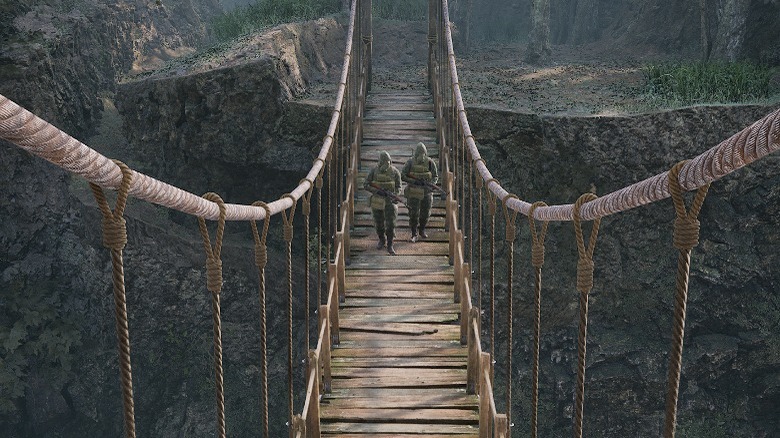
<point x="414" y="318"/>
<point x="385" y="343"/>
<point x="416" y="294"/>
<point x="399" y="352"/>
<point x="400" y="287"/>
<point x="418" y="401"/>
<point x="410" y="381"/>
<point x="399" y="362"/>
<point x="396" y="435"/>
<point x="388" y="327"/>
<point x="399" y="106"/>
<point x="392" y="428"/>
<point x="391" y="392"/>
<point x="399" y="115"/>
<point x="399" y="372"/>
<point x="429" y="415"/>
<point x="353" y="336"/>
<point x="400" y="305"/>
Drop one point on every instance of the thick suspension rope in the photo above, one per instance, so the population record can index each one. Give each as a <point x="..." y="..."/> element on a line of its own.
<point x="686" y="237"/>
<point x="214" y="285"/>
<point x="288" y="237"/>
<point x="584" y="286"/>
<point x="306" y="210"/>
<point x="537" y="260"/>
<point x="115" y="239"/>
<point x="510" y="220"/>
<point x="261" y="260"/>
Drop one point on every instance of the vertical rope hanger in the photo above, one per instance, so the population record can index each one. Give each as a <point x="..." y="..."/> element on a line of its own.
<point x="318" y="183"/>
<point x="288" y="237"/>
<point x="115" y="239"/>
<point x="306" y="210"/>
<point x="686" y="237"/>
<point x="584" y="286"/>
<point x="492" y="207"/>
<point x="214" y="285"/>
<point x="511" y="233"/>
<point x="261" y="260"/>
<point x="537" y="260"/>
<point x="480" y="184"/>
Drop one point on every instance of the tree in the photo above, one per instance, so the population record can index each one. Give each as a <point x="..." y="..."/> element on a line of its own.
<point x="539" y="41"/>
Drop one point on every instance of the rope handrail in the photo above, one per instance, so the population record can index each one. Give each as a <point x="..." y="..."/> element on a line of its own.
<point x="35" y="135"/>
<point x="752" y="143"/>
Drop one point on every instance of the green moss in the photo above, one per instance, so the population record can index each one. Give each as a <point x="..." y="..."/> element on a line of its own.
<point x="266" y="13"/>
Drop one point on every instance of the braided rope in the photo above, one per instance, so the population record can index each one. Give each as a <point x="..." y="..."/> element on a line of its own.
<point x="584" y="286"/>
<point x="492" y="207"/>
<point x="480" y="184"/>
<point x="261" y="260"/>
<point x="214" y="285"/>
<point x="537" y="260"/>
<point x="288" y="237"/>
<point x="319" y="184"/>
<point x="115" y="239"/>
<point x="686" y="237"/>
<point x="510" y="220"/>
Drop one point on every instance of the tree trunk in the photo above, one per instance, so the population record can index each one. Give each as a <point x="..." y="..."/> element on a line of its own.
<point x="705" y="41"/>
<point x="585" y="22"/>
<point x="539" y="41"/>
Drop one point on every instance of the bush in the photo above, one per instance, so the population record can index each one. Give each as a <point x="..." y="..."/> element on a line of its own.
<point x="688" y="84"/>
<point x="267" y="13"/>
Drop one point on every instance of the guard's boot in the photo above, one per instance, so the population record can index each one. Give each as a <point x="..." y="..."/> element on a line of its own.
<point x="381" y="243"/>
<point x="414" y="234"/>
<point x="390" y="249"/>
<point x="423" y="234"/>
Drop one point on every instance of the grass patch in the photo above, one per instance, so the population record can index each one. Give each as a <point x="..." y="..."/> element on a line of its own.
<point x="266" y="13"/>
<point x="403" y="10"/>
<point x="697" y="83"/>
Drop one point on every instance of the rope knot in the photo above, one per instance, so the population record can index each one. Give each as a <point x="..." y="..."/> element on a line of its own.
<point x="306" y="207"/>
<point x="261" y="255"/>
<point x="686" y="233"/>
<point x="114" y="232"/>
<point x="368" y="39"/>
<point x="584" y="275"/>
<point x="213" y="274"/>
<point x="537" y="255"/>
<point x="288" y="233"/>
<point x="510" y="233"/>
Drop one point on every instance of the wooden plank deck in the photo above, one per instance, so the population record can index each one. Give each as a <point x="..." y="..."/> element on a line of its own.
<point x="399" y="371"/>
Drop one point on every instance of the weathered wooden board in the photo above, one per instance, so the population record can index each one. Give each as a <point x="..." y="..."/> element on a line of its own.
<point x="418" y="401"/>
<point x="410" y="381"/>
<point x="399" y="372"/>
<point x="452" y="416"/>
<point x="399" y="362"/>
<point x="415" y="318"/>
<point x="418" y="429"/>
<point x="399" y="352"/>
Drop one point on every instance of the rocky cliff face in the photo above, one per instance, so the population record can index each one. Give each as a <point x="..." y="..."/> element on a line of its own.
<point x="729" y="383"/>
<point x="736" y="29"/>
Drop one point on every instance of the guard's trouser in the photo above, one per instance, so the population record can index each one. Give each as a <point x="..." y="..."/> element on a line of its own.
<point x="384" y="219"/>
<point x="419" y="210"/>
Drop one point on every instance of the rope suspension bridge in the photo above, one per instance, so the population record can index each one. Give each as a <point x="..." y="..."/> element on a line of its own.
<point x="401" y="350"/>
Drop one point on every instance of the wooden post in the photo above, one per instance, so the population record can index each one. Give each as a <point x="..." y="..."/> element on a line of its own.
<point x="313" y="417"/>
<point x="472" y="366"/>
<point x="325" y="353"/>
<point x="334" y="303"/>
<point x="485" y="425"/>
<point x="502" y="426"/>
<point x="465" y="303"/>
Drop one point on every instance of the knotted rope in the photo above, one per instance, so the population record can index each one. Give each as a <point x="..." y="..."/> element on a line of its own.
<point x="214" y="285"/>
<point x="288" y="236"/>
<point x="511" y="232"/>
<point x="306" y="210"/>
<point x="115" y="239"/>
<point x="686" y="236"/>
<point x="537" y="260"/>
<point x="584" y="286"/>
<point x="261" y="260"/>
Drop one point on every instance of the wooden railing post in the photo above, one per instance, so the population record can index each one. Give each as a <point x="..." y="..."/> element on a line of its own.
<point x="334" y="303"/>
<point x="465" y="302"/>
<point x="502" y="426"/>
<point x="325" y="353"/>
<point x="472" y="366"/>
<point x="340" y="274"/>
<point x="485" y="425"/>
<point x="313" y="416"/>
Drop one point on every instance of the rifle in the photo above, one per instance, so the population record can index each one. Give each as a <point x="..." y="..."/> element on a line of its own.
<point x="431" y="186"/>
<point x="395" y="199"/>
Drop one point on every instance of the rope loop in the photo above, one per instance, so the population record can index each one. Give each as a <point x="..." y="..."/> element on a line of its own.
<point x="479" y="182"/>
<point x="492" y="198"/>
<point x="306" y="204"/>
<point x="288" y="218"/>
<point x="213" y="254"/>
<point x="261" y="249"/>
<point x="537" y="239"/>
<point x="367" y="39"/>
<point x="114" y="224"/>
<point x="585" y="261"/>
<point x="686" y="224"/>
<point x="511" y="218"/>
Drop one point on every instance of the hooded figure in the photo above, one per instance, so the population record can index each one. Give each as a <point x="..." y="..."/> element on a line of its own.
<point x="381" y="180"/>
<point x="419" y="170"/>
